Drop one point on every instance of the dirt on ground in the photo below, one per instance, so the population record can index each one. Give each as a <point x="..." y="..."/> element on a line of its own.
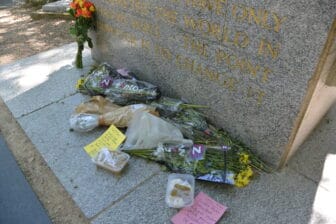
<point x="20" y="37"/>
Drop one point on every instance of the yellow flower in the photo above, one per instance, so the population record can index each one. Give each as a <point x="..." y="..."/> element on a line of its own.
<point x="249" y="172"/>
<point x="79" y="83"/>
<point x="92" y="8"/>
<point x="244" y="158"/>
<point x="81" y="3"/>
<point x="242" y="179"/>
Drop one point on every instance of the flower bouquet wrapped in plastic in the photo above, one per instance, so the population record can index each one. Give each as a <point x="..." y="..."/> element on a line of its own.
<point x="221" y="164"/>
<point x="119" y="87"/>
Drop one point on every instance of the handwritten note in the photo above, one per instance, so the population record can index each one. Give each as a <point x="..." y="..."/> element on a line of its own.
<point x="111" y="139"/>
<point x="205" y="210"/>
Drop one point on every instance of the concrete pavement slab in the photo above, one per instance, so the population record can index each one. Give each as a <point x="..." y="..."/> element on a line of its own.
<point x="47" y="101"/>
<point x="39" y="80"/>
<point x="280" y="198"/>
<point x="311" y="159"/>
<point x="323" y="209"/>
<point x="92" y="189"/>
<point x="18" y="203"/>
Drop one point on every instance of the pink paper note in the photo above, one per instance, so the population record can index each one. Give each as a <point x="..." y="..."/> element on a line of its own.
<point x="205" y="210"/>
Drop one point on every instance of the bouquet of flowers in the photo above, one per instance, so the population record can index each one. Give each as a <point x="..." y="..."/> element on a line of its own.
<point x="121" y="88"/>
<point x="226" y="160"/>
<point x="83" y="12"/>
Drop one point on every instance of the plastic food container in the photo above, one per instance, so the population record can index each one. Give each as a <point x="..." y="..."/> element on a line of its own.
<point x="180" y="190"/>
<point x="114" y="161"/>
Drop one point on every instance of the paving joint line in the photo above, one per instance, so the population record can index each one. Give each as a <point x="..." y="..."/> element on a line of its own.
<point x="44" y="106"/>
<point x="122" y="197"/>
<point x="305" y="176"/>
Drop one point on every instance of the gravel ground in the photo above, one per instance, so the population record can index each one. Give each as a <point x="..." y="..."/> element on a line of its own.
<point x="21" y="36"/>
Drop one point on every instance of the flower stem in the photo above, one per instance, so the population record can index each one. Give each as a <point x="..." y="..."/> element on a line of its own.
<point x="79" y="60"/>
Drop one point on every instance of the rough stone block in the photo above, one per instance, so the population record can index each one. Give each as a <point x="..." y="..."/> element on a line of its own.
<point x="251" y="62"/>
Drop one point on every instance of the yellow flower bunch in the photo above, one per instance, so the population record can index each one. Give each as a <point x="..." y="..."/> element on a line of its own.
<point x="244" y="158"/>
<point x="243" y="178"/>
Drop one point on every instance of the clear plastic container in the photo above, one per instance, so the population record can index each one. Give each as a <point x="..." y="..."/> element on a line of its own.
<point x="114" y="161"/>
<point x="180" y="190"/>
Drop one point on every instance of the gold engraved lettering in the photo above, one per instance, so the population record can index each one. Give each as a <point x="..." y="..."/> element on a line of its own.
<point x="145" y="44"/>
<point x="228" y="36"/>
<point x="219" y="7"/>
<point x="199" y="4"/>
<point x="239" y="12"/>
<point x="196" y="45"/>
<point x="257" y="94"/>
<point x="144" y="27"/>
<point x="190" y="23"/>
<point x="163" y="52"/>
<point x="185" y="63"/>
<point x="167" y="15"/>
<point x="243" y="65"/>
<point x="204" y="70"/>
<point x="230" y="84"/>
<point x="251" y="69"/>
<point x="278" y="21"/>
<point x="211" y="74"/>
<point x="189" y="64"/>
<point x="266" y="49"/>
<point x="262" y="18"/>
<point x="216" y="31"/>
<point x="265" y="75"/>
<point x="140" y="7"/>
<point x="258" y="18"/>
<point x="216" y="6"/>
<point x="199" y="69"/>
<point x="241" y="39"/>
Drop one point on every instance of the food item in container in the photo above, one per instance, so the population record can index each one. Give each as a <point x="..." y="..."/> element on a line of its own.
<point x="114" y="161"/>
<point x="180" y="190"/>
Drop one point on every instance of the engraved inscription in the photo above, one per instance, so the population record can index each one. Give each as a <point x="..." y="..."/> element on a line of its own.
<point x="211" y="49"/>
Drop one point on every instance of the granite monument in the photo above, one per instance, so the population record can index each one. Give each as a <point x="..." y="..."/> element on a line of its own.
<point x="266" y="69"/>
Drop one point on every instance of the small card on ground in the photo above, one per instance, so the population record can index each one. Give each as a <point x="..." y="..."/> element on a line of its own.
<point x="205" y="210"/>
<point x="110" y="139"/>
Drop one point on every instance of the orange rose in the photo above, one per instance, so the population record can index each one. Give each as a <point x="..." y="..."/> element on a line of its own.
<point x="86" y="13"/>
<point x="78" y="13"/>
<point x="87" y="4"/>
<point x="73" y="5"/>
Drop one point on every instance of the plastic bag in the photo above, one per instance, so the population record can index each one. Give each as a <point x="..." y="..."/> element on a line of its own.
<point x="84" y="122"/>
<point x="119" y="117"/>
<point x="211" y="163"/>
<point x="167" y="106"/>
<point x="122" y="88"/>
<point x="146" y="131"/>
<point x="97" y="105"/>
<point x="192" y="118"/>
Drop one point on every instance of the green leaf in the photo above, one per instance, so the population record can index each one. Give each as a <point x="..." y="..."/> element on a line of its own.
<point x="73" y="31"/>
